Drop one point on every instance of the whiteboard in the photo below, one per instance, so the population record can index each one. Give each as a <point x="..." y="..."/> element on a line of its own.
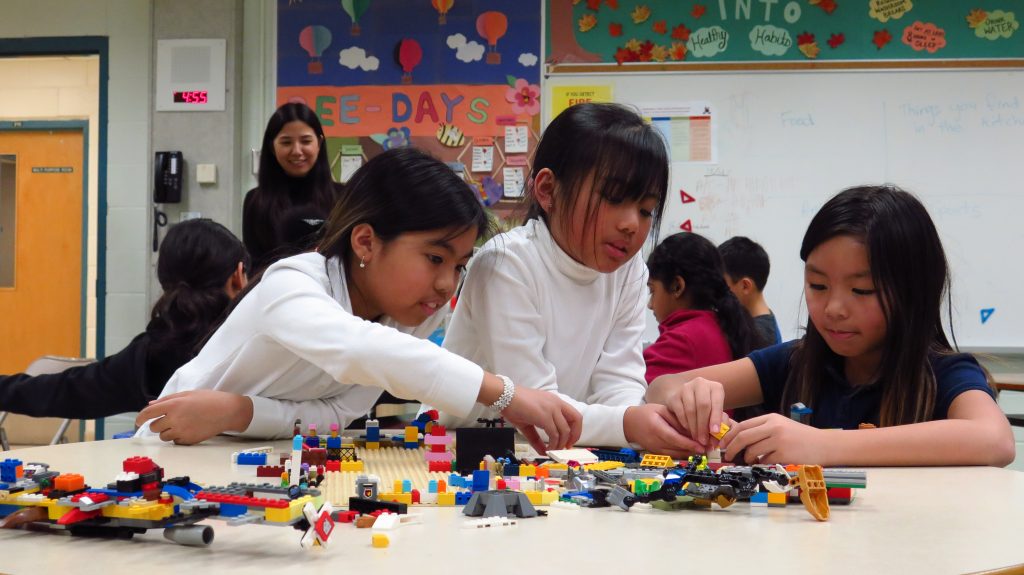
<point x="787" y="141"/>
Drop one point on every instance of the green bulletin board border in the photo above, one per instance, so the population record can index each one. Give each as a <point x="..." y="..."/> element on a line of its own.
<point x="570" y="50"/>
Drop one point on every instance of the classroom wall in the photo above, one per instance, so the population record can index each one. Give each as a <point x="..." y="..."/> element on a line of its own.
<point x="203" y="137"/>
<point x="128" y="25"/>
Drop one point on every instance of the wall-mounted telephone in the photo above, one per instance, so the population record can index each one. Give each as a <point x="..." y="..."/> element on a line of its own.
<point x="167" y="174"/>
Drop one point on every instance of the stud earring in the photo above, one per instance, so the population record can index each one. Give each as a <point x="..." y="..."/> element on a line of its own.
<point x="362" y="264"/>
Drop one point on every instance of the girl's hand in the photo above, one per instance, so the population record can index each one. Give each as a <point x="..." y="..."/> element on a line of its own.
<point x="774" y="438"/>
<point x="533" y="408"/>
<point x="697" y="404"/>
<point x="190" y="417"/>
<point x="655" y="428"/>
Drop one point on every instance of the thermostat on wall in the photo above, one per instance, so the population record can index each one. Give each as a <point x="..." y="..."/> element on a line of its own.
<point x="190" y="75"/>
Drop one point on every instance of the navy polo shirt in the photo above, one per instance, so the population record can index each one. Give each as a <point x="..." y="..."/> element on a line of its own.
<point x="844" y="406"/>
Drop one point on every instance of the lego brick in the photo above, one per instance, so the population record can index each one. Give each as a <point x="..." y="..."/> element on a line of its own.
<point x="776" y="499"/>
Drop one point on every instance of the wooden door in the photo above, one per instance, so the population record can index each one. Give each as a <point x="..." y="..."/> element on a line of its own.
<point x="41" y="246"/>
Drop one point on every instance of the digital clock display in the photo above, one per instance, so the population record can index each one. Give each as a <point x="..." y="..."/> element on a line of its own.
<point x="190" y="97"/>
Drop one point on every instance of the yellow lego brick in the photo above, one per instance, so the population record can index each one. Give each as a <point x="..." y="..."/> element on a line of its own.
<point x="722" y="430"/>
<point x="290" y="513"/>
<point x="380" y="540"/>
<point x="412" y="434"/>
<point x="58" y="511"/>
<point x="604" y="465"/>
<point x="397" y="486"/>
<point x="396" y="497"/>
<point x="556" y="466"/>
<point x="144" y="510"/>
<point x="372" y="445"/>
<point x="652" y="460"/>
<point x="355" y="466"/>
<point x="447" y="498"/>
<point x="527" y="470"/>
<point x="541" y="497"/>
<point x="776" y="499"/>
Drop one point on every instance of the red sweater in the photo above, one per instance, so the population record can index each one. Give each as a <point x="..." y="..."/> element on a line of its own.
<point x="689" y="339"/>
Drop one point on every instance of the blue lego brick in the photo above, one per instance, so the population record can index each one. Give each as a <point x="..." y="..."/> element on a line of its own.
<point x="312" y="441"/>
<point x="571" y="494"/>
<point x="232" y="509"/>
<point x="456" y="480"/>
<point x="411" y="445"/>
<point x="334" y="443"/>
<point x="6" y="510"/>
<point x="511" y="470"/>
<point x="406" y="486"/>
<point x="432" y="486"/>
<point x="252" y="459"/>
<point x="462" y="497"/>
<point x="9" y="470"/>
<point x="760" y="497"/>
<point x="373" y="434"/>
<point x="481" y="480"/>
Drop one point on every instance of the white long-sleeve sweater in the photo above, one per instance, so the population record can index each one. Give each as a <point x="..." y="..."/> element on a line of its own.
<point x="529" y="311"/>
<point x="294" y="346"/>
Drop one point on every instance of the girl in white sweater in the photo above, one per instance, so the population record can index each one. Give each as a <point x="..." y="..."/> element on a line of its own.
<point x="558" y="303"/>
<point x="320" y="336"/>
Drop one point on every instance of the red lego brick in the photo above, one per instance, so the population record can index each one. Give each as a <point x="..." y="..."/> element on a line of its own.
<point x="138" y="464"/>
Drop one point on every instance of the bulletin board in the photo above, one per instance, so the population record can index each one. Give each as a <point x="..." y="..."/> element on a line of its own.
<point x="626" y="35"/>
<point x="458" y="79"/>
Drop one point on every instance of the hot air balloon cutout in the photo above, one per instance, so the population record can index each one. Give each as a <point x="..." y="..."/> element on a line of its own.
<point x="492" y="26"/>
<point x="442" y="7"/>
<point x="355" y="10"/>
<point x="314" y="40"/>
<point x="408" y="55"/>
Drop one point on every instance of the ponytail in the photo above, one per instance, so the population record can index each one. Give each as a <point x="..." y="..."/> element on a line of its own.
<point x="197" y="258"/>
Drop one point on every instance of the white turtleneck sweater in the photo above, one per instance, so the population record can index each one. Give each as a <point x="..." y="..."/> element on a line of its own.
<point x="293" y="346"/>
<point x="529" y="311"/>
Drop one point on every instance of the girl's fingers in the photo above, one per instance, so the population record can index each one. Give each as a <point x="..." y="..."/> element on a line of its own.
<point x="717" y="404"/>
<point x="531" y="435"/>
<point x="748" y="436"/>
<point x="575" y="424"/>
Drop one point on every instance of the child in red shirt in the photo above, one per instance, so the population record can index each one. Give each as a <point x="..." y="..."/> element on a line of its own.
<point x="700" y="321"/>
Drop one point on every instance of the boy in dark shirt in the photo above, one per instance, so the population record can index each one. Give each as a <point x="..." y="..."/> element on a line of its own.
<point x="746" y="272"/>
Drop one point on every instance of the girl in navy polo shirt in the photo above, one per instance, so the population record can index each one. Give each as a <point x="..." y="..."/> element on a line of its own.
<point x="874" y="353"/>
<point x="700" y="321"/>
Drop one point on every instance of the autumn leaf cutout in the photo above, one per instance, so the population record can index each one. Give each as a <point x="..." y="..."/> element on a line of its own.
<point x="640" y="14"/>
<point x="805" y="42"/>
<point x="976" y="18"/>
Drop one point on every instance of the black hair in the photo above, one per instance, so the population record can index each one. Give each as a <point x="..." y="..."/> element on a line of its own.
<point x="696" y="260"/>
<point x="277" y="191"/>
<point x="911" y="276"/>
<point x="399" y="191"/>
<point x="625" y="157"/>
<point x="745" y="258"/>
<point x="196" y="259"/>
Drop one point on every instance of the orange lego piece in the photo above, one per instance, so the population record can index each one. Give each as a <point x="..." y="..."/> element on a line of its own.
<point x="69" y="482"/>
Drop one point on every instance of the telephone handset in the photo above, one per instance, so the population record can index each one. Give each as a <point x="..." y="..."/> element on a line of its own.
<point x="167" y="174"/>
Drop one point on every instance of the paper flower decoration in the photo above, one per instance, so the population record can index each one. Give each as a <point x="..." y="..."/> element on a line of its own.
<point x="524" y="97"/>
<point x="396" y="138"/>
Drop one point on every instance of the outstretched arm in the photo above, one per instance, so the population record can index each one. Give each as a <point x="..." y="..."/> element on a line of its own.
<point x="975" y="433"/>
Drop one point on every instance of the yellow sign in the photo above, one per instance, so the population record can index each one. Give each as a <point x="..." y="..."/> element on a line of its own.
<point x="564" y="96"/>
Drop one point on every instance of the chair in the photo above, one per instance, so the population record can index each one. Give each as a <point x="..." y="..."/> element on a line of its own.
<point x="1011" y="382"/>
<point x="44" y="365"/>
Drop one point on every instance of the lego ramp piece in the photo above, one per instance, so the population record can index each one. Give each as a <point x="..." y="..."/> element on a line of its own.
<point x="813" y="493"/>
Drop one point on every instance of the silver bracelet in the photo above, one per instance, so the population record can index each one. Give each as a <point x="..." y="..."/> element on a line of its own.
<point x="508" y="391"/>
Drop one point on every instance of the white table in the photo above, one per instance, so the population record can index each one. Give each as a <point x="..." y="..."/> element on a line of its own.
<point x="916" y="520"/>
